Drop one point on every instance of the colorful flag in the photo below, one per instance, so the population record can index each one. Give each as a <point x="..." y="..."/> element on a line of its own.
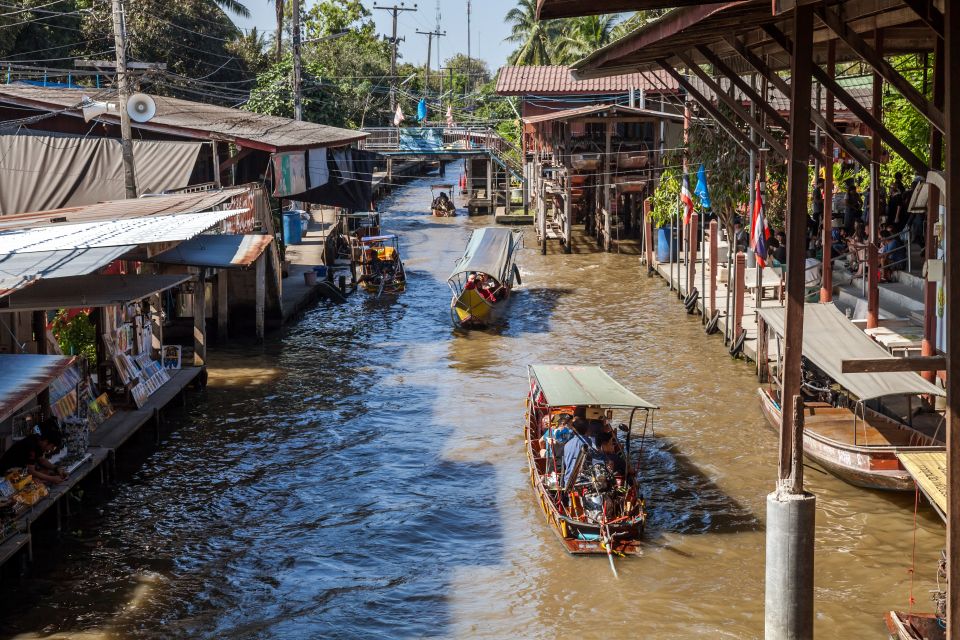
<point x="450" y="116"/>
<point x="398" y="117"/>
<point x="759" y="231"/>
<point x="422" y="110"/>
<point x="686" y="198"/>
<point x="703" y="193"/>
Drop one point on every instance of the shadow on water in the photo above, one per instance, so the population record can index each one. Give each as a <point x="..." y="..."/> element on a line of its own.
<point x="531" y="310"/>
<point x="682" y="499"/>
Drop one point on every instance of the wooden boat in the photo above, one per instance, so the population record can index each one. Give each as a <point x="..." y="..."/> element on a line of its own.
<point x="381" y="269"/>
<point x="914" y="626"/>
<point x="483" y="278"/>
<point x="437" y="207"/>
<point x="594" y="513"/>
<point x="845" y="430"/>
<point x="352" y="227"/>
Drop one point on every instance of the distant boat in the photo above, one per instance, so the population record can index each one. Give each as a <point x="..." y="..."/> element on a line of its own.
<point x="844" y="429"/>
<point x="483" y="278"/>
<point x="599" y="509"/>
<point x="381" y="269"/>
<point x="442" y="207"/>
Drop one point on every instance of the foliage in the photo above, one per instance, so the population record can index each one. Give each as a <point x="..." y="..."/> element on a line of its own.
<point x="535" y="39"/>
<point x="637" y="20"/>
<point x="467" y="72"/>
<point x="666" y="197"/>
<point x="904" y="121"/>
<point x="578" y="37"/>
<point x="76" y="335"/>
<point x="727" y="167"/>
<point x="251" y="48"/>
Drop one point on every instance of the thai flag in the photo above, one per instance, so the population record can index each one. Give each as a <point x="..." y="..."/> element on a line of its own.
<point x="686" y="198"/>
<point x="759" y="231"/>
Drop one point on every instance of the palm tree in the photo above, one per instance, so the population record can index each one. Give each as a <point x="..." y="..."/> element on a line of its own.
<point x="535" y="38"/>
<point x="233" y="6"/>
<point x="581" y="36"/>
<point x="278" y="7"/>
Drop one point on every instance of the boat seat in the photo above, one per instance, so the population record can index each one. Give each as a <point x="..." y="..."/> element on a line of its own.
<point x="837" y="424"/>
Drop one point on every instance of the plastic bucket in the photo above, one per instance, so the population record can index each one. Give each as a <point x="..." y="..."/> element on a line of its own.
<point x="663" y="245"/>
<point x="310" y="278"/>
<point x="292" y="227"/>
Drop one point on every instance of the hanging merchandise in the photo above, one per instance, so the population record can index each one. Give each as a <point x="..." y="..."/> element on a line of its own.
<point x="422" y="110"/>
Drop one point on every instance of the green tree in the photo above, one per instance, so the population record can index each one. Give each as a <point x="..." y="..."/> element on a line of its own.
<point x="578" y="37"/>
<point x="535" y="39"/>
<point x="279" y="9"/>
<point x="903" y="120"/>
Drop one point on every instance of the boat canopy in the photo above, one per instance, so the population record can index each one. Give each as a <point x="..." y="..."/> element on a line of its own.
<point x="829" y="338"/>
<point x="378" y="238"/>
<point x="489" y="251"/>
<point x="441" y="186"/>
<point x="584" y="386"/>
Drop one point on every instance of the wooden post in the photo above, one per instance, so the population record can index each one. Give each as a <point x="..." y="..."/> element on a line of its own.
<point x="199" y="321"/>
<point x="567" y="215"/>
<point x="740" y="270"/>
<point x="223" y="305"/>
<point x="873" y="257"/>
<point x="260" y="295"/>
<point x="797" y="182"/>
<point x="607" y="179"/>
<point x="156" y="324"/>
<point x="648" y="233"/>
<point x="929" y="344"/>
<point x="951" y="30"/>
<point x="39" y="322"/>
<point x="763" y="342"/>
<point x="215" y="150"/>
<point x="826" y="284"/>
<point x="714" y="260"/>
<point x="692" y="257"/>
<point x="489" y="193"/>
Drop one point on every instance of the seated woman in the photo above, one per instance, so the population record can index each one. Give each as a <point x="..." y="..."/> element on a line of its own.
<point x="553" y="439"/>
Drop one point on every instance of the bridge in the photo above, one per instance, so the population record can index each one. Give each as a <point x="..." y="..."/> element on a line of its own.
<point x="492" y="163"/>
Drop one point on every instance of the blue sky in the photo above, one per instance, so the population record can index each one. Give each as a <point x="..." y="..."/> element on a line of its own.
<point x="487" y="26"/>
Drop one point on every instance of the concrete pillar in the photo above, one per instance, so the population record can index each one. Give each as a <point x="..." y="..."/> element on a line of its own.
<point x="739" y="291"/>
<point x="714" y="259"/>
<point x="223" y="304"/>
<point x="199" y="321"/>
<point x="788" y="605"/>
<point x="260" y="296"/>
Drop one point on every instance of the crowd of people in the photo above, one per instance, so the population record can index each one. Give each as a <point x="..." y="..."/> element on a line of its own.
<point x="899" y="227"/>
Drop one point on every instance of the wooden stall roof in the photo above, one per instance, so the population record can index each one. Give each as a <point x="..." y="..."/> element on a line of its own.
<point x="602" y="110"/>
<point x="89" y="291"/>
<point x="194" y="120"/>
<point x="716" y="24"/>
<point x="556" y="80"/>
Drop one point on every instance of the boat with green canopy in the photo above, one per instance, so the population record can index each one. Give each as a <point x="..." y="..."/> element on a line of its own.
<point x="483" y="277"/>
<point x="578" y="434"/>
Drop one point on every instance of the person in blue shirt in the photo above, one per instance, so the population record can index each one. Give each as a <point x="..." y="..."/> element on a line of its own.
<point x="893" y="254"/>
<point x="554" y="438"/>
<point x="571" y="451"/>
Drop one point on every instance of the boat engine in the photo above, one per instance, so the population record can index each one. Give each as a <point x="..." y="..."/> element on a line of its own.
<point x="599" y="494"/>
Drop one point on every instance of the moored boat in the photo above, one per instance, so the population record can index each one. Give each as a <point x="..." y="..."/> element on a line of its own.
<point x="914" y="626"/>
<point x="484" y="276"/>
<point x="442" y="205"/>
<point x="845" y="429"/>
<point x="585" y="483"/>
<point x="381" y="269"/>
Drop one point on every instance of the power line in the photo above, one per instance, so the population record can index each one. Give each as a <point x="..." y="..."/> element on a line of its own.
<point x="394" y="41"/>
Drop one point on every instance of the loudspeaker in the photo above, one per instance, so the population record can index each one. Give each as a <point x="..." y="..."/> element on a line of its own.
<point x="92" y="109"/>
<point x="141" y="107"/>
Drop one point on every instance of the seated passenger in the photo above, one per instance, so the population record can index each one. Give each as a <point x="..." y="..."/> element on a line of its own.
<point x="611" y="456"/>
<point x="554" y="438"/>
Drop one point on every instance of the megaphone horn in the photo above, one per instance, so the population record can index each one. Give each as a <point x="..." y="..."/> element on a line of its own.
<point x="141" y="107"/>
<point x="92" y="109"/>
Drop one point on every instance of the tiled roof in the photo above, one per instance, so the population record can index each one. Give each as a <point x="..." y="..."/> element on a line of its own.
<point x="557" y="80"/>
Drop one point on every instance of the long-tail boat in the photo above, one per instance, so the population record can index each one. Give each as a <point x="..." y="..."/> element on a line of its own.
<point x="594" y="507"/>
<point x="442" y="207"/>
<point x="846" y="428"/>
<point x="381" y="268"/>
<point x="483" y="277"/>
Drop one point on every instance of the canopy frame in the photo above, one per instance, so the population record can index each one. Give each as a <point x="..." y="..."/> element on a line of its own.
<point x="591" y="386"/>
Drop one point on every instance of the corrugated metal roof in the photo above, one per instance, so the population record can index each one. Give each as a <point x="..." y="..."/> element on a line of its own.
<point x="197" y="120"/>
<point x="611" y="109"/>
<point x="221" y="251"/>
<point x="121" y="209"/>
<point x="112" y="233"/>
<point x="557" y="80"/>
<point x="23" y="376"/>
<point x="89" y="291"/>
<point x="19" y="270"/>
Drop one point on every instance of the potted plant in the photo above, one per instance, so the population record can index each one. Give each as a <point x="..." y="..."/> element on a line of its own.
<point x="666" y="204"/>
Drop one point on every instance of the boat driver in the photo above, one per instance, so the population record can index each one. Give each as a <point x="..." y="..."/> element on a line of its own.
<point x="571" y="451"/>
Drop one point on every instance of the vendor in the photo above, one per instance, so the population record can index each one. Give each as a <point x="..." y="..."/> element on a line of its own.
<point x="32" y="452"/>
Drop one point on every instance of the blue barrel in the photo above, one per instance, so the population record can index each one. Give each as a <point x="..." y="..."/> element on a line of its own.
<point x="292" y="227"/>
<point x="321" y="272"/>
<point x="663" y="245"/>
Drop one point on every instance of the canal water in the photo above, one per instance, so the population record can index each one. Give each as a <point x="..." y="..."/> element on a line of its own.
<point x="363" y="476"/>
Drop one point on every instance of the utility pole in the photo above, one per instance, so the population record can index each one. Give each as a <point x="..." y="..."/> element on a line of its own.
<point x="430" y="34"/>
<point x="394" y="41"/>
<point x="297" y="64"/>
<point x="466" y="85"/>
<point x="126" y="133"/>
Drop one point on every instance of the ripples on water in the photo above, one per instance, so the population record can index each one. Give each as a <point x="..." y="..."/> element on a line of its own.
<point x="363" y="476"/>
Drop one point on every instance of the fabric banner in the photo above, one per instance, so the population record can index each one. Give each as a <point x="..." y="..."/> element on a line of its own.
<point x="289" y="173"/>
<point x="350" y="184"/>
<point x="317" y="169"/>
<point x="42" y="172"/>
<point x="415" y="139"/>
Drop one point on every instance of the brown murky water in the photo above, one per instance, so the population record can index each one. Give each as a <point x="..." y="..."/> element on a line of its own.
<point x="364" y="476"/>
